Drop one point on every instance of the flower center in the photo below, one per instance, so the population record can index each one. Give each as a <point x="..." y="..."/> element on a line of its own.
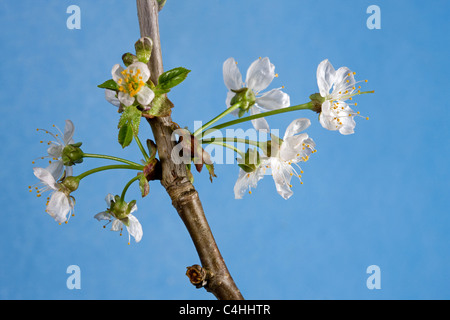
<point x="131" y="82"/>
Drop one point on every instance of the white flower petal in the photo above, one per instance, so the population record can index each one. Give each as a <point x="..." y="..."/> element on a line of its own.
<point x="259" y="124"/>
<point x="125" y="99"/>
<point x="260" y="74"/>
<point x="69" y="171"/>
<point x="116" y="72"/>
<point x="231" y="75"/>
<point x="144" y="71"/>
<point x="55" y="150"/>
<point x="326" y="118"/>
<point x="109" y="199"/>
<point x="116" y="225"/>
<point x="134" y="228"/>
<point x="46" y="177"/>
<point x="348" y="126"/>
<point x="145" y="96"/>
<point x="273" y="99"/>
<point x="337" y="117"/>
<point x="344" y="80"/>
<point x="246" y="181"/>
<point x="292" y="147"/>
<point x="111" y="97"/>
<point x="105" y="215"/>
<point x="59" y="206"/>
<point x="325" y="77"/>
<point x="296" y="127"/>
<point x="56" y="169"/>
<point x="281" y="173"/>
<point x="69" y="129"/>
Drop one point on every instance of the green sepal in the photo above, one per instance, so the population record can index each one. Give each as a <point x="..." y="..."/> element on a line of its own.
<point x="120" y="209"/>
<point x="317" y="97"/>
<point x="131" y="204"/>
<point x="109" y="84"/>
<point x="72" y="154"/>
<point x="241" y="112"/>
<point x="245" y="97"/>
<point x="125" y="221"/>
<point x="172" y="78"/>
<point x="210" y="168"/>
<point x="246" y="168"/>
<point x="317" y="101"/>
<point x="251" y="160"/>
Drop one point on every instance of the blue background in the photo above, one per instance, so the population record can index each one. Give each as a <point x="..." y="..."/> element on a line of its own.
<point x="377" y="197"/>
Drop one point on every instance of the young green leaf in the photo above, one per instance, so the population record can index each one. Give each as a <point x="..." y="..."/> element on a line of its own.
<point x="131" y="116"/>
<point x="125" y="135"/>
<point x="172" y="78"/>
<point x="109" y="84"/>
<point x="144" y="186"/>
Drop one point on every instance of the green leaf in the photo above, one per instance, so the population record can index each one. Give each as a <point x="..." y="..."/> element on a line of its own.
<point x="172" y="78"/>
<point x="109" y="84"/>
<point x="131" y="116"/>
<point x="125" y="135"/>
<point x="144" y="186"/>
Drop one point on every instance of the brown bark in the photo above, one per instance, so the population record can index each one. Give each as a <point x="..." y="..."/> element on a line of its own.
<point x="184" y="197"/>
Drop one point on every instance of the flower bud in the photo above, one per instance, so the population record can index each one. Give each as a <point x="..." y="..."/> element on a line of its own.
<point x="72" y="154"/>
<point x="144" y="48"/>
<point x="129" y="58"/>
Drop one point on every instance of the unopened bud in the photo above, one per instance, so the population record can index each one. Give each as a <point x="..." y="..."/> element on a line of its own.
<point x="144" y="48"/>
<point x="129" y="58"/>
